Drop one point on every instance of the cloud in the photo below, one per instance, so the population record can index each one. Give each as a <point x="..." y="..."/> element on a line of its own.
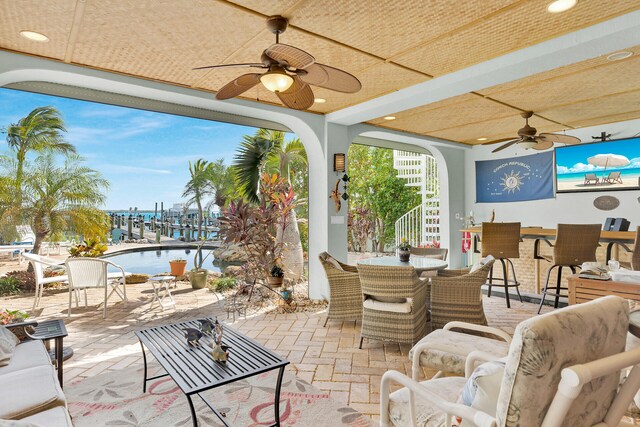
<point x="103" y="112"/>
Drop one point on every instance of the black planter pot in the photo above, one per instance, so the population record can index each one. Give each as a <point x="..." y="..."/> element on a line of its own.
<point x="404" y="256"/>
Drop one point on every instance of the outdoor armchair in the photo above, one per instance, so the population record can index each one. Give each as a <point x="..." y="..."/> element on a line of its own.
<point x="563" y="369"/>
<point x="634" y="262"/>
<point x="85" y="273"/>
<point x="345" y="293"/>
<point x="40" y="264"/>
<point x="395" y="306"/>
<point x="435" y="253"/>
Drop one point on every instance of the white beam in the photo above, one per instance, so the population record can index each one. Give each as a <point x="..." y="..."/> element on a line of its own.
<point x="615" y="34"/>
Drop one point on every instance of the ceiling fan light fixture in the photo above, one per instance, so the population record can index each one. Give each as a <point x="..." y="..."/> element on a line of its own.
<point x="559" y="6"/>
<point x="34" y="36"/>
<point x="276" y="80"/>
<point x="528" y="144"/>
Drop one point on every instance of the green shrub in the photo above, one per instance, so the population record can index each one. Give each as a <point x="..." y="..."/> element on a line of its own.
<point x="9" y="285"/>
<point x="222" y="284"/>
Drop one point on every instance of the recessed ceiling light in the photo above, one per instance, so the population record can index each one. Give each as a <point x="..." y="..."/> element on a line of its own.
<point x="482" y="139"/>
<point x="319" y="100"/>
<point x="390" y="118"/>
<point x="619" y="55"/>
<point x="558" y="6"/>
<point x="36" y="37"/>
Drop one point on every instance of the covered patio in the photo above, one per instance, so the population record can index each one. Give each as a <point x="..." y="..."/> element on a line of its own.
<point x="443" y="80"/>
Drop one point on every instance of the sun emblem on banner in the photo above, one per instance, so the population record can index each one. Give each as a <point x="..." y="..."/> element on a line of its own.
<point x="511" y="182"/>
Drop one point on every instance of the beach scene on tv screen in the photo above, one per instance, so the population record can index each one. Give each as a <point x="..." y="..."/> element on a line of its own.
<point x="603" y="166"/>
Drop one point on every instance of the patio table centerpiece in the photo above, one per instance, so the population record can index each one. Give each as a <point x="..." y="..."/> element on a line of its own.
<point x="404" y="250"/>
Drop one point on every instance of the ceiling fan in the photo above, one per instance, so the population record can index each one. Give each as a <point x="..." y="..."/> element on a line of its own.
<point x="527" y="137"/>
<point x="290" y="72"/>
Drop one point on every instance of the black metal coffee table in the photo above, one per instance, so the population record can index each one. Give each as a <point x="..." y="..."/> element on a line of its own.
<point x="194" y="370"/>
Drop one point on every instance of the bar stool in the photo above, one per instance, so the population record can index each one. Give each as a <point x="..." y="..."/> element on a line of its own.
<point x="574" y="245"/>
<point x="502" y="241"/>
<point x="634" y="263"/>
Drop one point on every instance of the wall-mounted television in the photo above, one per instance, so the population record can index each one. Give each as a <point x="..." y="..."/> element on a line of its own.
<point x="598" y="166"/>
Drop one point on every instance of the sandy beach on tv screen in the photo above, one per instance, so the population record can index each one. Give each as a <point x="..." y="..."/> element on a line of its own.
<point x="628" y="182"/>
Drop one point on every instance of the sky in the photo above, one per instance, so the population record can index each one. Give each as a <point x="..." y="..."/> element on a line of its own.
<point x="143" y="154"/>
<point x="573" y="158"/>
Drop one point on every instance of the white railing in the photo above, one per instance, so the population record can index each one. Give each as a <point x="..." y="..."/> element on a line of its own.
<point x="421" y="225"/>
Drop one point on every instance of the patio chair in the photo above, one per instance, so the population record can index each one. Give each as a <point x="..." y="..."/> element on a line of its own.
<point x="116" y="236"/>
<point x="502" y="241"/>
<point x="456" y="295"/>
<point x="435" y="253"/>
<point x="85" y="273"/>
<point x="345" y="293"/>
<point x="613" y="178"/>
<point x="40" y="264"/>
<point x="395" y="306"/>
<point x="634" y="262"/>
<point x="563" y="369"/>
<point x="591" y="179"/>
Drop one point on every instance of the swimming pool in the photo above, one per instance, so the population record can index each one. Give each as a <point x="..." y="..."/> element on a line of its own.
<point x="153" y="260"/>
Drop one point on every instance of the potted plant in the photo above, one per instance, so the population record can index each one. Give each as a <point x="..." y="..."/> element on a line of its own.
<point x="178" y="266"/>
<point x="404" y="250"/>
<point x="198" y="276"/>
<point x="275" y="277"/>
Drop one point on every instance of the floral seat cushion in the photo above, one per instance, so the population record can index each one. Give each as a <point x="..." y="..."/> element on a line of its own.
<point x="458" y="346"/>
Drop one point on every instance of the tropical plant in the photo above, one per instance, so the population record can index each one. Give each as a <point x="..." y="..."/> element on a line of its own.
<point x="199" y="187"/>
<point x="9" y="285"/>
<point x="90" y="248"/>
<point x="361" y="227"/>
<point x="64" y="197"/>
<point x="255" y="227"/>
<point x="222" y="284"/>
<point x="12" y="316"/>
<point x="404" y="245"/>
<point x="40" y="131"/>
<point x="276" y="271"/>
<point x="221" y="178"/>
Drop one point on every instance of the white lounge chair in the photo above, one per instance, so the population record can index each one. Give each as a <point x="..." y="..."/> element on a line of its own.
<point x="563" y="369"/>
<point x="19" y="249"/>
<point x="41" y="263"/>
<point x="85" y="273"/>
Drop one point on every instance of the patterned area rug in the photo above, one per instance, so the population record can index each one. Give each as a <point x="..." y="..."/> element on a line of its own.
<point x="116" y="399"/>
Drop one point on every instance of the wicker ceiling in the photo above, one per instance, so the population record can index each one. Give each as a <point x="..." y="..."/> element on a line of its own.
<point x="388" y="45"/>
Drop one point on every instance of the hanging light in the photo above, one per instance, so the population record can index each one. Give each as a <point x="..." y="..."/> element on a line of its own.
<point x="276" y="79"/>
<point x="529" y="143"/>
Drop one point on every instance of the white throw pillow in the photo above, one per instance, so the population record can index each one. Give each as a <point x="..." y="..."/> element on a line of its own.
<point x="482" y="263"/>
<point x="8" y="342"/>
<point x="482" y="388"/>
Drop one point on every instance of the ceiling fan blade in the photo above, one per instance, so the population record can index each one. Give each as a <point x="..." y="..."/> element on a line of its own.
<point x="542" y="144"/>
<point x="247" y="65"/>
<point x="330" y="78"/>
<point x="238" y="86"/>
<point x="294" y="57"/>
<point x="559" y="138"/>
<point x="497" y="140"/>
<point x="299" y="96"/>
<point x="507" y="145"/>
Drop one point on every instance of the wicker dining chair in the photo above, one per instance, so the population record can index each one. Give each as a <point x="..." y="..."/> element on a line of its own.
<point x="574" y="245"/>
<point x="634" y="263"/>
<point x="435" y="253"/>
<point x="395" y="304"/>
<point x="345" y="293"/>
<point x="456" y="295"/>
<point x="502" y="241"/>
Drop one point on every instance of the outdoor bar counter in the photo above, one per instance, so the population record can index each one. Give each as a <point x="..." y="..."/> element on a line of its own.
<point x="529" y="269"/>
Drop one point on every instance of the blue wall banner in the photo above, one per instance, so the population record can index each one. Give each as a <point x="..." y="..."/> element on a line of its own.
<point x="516" y="179"/>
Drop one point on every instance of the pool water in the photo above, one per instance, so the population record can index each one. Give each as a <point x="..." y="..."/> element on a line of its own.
<point x="154" y="261"/>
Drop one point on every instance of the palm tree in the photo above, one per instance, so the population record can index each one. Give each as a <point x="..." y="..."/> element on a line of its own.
<point x="199" y="186"/>
<point x="267" y="151"/>
<point x="40" y="131"/>
<point x="222" y="180"/>
<point x="60" y="198"/>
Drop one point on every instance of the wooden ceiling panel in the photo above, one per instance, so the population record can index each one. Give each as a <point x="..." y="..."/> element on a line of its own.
<point x="576" y="114"/>
<point x="269" y="8"/>
<point x="525" y="24"/>
<point x="568" y="89"/>
<point x="600" y="61"/>
<point x="449" y="102"/>
<point x="476" y="109"/>
<point x="16" y="16"/>
<point x="136" y="37"/>
<point x="622" y="117"/>
<point x="494" y="129"/>
<point x="387" y="27"/>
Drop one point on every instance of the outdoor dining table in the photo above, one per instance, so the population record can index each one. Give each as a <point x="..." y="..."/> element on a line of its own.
<point x="421" y="264"/>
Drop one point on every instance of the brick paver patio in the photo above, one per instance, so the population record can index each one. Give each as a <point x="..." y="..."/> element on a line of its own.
<point x="328" y="358"/>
